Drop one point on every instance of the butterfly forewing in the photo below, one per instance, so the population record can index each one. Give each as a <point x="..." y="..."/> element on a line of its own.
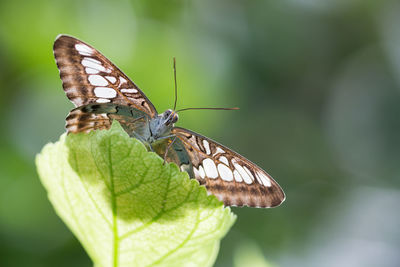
<point x="89" y="77"/>
<point x="232" y="178"/>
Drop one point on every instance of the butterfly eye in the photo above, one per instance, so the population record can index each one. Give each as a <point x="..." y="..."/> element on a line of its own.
<point x="170" y="117"/>
<point x="166" y="114"/>
<point x="175" y="118"/>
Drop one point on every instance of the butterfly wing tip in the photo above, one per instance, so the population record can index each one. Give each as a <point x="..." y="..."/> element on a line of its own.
<point x="278" y="203"/>
<point x="58" y="40"/>
<point x="63" y="36"/>
<point x="59" y="36"/>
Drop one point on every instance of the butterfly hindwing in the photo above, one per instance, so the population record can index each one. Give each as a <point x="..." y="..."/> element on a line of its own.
<point x="100" y="116"/>
<point x="232" y="178"/>
<point x="79" y="120"/>
<point x="89" y="77"/>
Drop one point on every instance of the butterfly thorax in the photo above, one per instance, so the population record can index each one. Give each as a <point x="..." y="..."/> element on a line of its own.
<point x="162" y="125"/>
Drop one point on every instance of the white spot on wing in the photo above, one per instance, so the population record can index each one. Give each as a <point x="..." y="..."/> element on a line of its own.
<point x="206" y="147"/>
<point x="224" y="160"/>
<point x="84" y="49"/>
<point x="264" y="179"/>
<point x="105" y="92"/>
<point x="196" y="172"/>
<point x="219" y="150"/>
<point x="258" y="179"/>
<point x="225" y="173"/>
<point x="129" y="91"/>
<point x="97" y="80"/>
<point x="84" y="53"/>
<point x="112" y="79"/>
<point x="247" y="179"/>
<point x="95" y="61"/>
<point x="91" y="71"/>
<point x="102" y="100"/>
<point x="210" y="168"/>
<point x="201" y="172"/>
<point x="92" y="63"/>
<point x="249" y="173"/>
<point x="122" y="80"/>
<point x="238" y="178"/>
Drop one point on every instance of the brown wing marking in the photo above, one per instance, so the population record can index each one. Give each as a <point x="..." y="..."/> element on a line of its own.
<point x="80" y="121"/>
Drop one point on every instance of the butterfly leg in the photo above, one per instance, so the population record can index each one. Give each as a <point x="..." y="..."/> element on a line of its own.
<point x="151" y="148"/>
<point x="139" y="118"/>
<point x="168" y="147"/>
<point x="165" y="137"/>
<point x="148" y="123"/>
<point x="138" y="137"/>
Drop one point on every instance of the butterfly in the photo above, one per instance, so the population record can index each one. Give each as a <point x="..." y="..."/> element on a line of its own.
<point x="101" y="93"/>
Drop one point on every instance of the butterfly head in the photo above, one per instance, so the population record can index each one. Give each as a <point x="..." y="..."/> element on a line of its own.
<point x="162" y="125"/>
<point x="169" y="117"/>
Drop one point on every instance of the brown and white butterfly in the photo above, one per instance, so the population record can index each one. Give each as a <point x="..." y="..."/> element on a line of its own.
<point x="102" y="93"/>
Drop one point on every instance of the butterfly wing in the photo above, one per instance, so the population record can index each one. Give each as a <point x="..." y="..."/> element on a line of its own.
<point x="89" y="77"/>
<point x="99" y="117"/>
<point x="232" y="178"/>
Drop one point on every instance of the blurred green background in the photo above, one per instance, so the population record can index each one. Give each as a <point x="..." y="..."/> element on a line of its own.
<point x="319" y="90"/>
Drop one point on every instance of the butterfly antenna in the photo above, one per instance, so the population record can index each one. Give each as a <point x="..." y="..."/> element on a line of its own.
<point x="176" y="96"/>
<point x="207" y="108"/>
<point x="176" y="85"/>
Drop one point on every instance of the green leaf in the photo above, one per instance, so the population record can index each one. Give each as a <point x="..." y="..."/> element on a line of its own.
<point x="249" y="251"/>
<point x="126" y="207"/>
